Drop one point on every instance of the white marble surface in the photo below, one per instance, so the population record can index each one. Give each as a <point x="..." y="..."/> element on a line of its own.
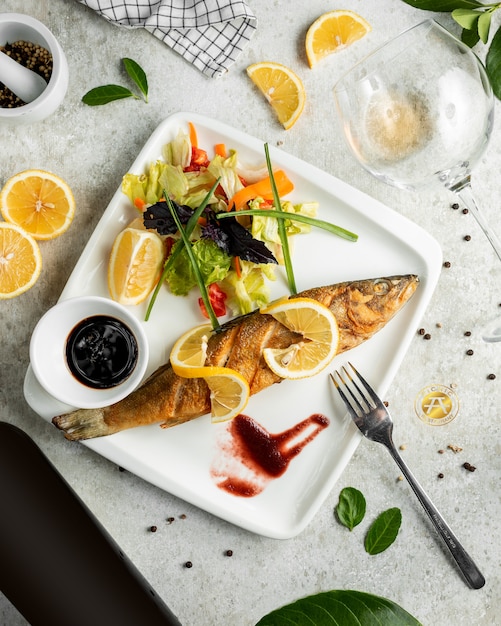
<point x="92" y="148"/>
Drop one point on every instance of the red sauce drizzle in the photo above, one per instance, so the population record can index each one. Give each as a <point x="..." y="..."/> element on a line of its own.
<point x="265" y="455"/>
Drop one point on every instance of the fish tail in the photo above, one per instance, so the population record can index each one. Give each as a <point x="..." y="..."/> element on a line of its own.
<point x="83" y="424"/>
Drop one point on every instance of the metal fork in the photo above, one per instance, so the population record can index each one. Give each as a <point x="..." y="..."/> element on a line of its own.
<point x="374" y="422"/>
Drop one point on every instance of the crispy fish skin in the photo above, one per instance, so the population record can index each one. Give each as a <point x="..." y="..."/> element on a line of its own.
<point x="361" y="308"/>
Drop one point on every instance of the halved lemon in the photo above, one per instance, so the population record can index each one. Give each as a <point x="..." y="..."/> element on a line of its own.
<point x="39" y="202"/>
<point x="135" y="265"/>
<point x="282" y="88"/>
<point x="318" y="326"/>
<point x="333" y="31"/>
<point x="20" y="261"/>
<point x="229" y="391"/>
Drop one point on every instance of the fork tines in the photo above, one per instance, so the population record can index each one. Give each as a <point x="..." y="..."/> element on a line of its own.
<point x="341" y="383"/>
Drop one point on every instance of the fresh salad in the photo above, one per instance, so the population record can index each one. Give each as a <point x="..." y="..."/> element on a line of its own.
<point x="238" y="224"/>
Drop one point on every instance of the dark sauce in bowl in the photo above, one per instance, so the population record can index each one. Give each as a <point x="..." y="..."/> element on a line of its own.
<point x="101" y="352"/>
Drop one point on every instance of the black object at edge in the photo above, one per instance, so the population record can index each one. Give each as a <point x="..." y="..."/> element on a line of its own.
<point x="58" y="565"/>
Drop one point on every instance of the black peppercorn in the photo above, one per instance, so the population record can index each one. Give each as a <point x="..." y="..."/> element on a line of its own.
<point x="491" y="377"/>
<point x="229" y="552"/>
<point x="447" y="264"/>
<point x="32" y="56"/>
<point x="188" y="564"/>
<point x="455" y="206"/>
<point x="469" y="352"/>
<point x="469" y="467"/>
<point x="153" y="529"/>
<point x="467" y="237"/>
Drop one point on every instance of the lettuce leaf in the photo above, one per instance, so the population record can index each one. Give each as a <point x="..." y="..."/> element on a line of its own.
<point x="214" y="265"/>
<point x="249" y="291"/>
<point x="227" y="170"/>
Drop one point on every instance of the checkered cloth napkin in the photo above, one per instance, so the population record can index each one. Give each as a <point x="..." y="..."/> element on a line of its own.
<point x="208" y="33"/>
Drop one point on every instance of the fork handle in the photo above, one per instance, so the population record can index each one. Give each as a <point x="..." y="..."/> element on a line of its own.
<point x="466" y="564"/>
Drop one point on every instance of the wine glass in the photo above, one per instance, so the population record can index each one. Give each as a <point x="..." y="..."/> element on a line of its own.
<point x="419" y="112"/>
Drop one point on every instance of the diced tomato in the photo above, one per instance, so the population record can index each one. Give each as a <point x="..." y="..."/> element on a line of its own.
<point x="217" y="299"/>
<point x="199" y="159"/>
<point x="169" y="242"/>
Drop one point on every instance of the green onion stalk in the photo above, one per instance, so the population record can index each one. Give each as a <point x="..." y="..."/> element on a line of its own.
<point x="281" y="227"/>
<point x="188" y="230"/>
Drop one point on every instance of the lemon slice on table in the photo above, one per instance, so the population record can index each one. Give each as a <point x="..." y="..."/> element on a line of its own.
<point x="282" y="88"/>
<point x="20" y="261"/>
<point x="39" y="202"/>
<point x="135" y="265"/>
<point x="320" y="332"/>
<point x="229" y="391"/>
<point x="333" y="31"/>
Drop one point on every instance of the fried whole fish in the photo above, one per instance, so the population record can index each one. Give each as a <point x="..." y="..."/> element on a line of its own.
<point x="361" y="309"/>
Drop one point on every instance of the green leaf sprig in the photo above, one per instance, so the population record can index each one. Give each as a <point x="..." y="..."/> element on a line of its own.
<point x="109" y="93"/>
<point x="475" y="18"/>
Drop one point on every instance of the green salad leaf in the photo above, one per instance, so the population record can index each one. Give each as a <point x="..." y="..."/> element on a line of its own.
<point x="340" y="608"/>
<point x="211" y="260"/>
<point x="383" y="531"/>
<point x="351" y="507"/>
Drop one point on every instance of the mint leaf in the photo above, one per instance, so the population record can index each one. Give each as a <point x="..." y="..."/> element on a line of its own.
<point x="105" y="94"/>
<point x="493" y="63"/>
<point x="351" y="507"/>
<point x="136" y="72"/>
<point x="346" y="607"/>
<point x="384" y="531"/>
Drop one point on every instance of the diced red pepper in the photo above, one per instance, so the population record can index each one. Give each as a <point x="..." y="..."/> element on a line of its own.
<point x="217" y="299"/>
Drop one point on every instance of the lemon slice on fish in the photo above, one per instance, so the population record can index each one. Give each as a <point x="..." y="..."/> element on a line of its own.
<point x="320" y="332"/>
<point x="229" y="391"/>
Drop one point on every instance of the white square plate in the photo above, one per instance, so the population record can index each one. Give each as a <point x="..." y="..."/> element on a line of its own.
<point x="179" y="459"/>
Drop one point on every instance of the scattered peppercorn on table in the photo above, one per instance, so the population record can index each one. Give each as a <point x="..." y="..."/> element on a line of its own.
<point x="445" y="398"/>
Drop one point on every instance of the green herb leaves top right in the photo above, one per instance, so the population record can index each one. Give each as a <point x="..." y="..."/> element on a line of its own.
<point x="475" y="20"/>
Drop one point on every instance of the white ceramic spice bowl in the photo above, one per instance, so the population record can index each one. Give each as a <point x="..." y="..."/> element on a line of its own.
<point x="16" y="27"/>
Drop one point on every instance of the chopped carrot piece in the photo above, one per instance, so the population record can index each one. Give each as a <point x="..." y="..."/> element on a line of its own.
<point x="261" y="189"/>
<point x="193" y="135"/>
<point x="139" y="203"/>
<point x="220" y="150"/>
<point x="238" y="267"/>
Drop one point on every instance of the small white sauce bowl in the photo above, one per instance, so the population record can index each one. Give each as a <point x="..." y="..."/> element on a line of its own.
<point x="48" y="352"/>
<point x="15" y="27"/>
